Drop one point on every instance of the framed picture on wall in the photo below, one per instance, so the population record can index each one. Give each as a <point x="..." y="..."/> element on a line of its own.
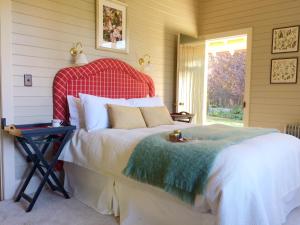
<point x="284" y="71"/>
<point x="285" y="39"/>
<point x="111" y="26"/>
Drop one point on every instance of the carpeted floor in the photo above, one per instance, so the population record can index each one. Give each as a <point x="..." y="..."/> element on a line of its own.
<point x="51" y="209"/>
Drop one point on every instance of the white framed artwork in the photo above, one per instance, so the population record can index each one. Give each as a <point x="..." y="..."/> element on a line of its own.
<point x="285" y="39"/>
<point x="284" y="71"/>
<point x="111" y="26"/>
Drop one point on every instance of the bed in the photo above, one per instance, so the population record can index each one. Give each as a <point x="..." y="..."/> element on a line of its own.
<point x="255" y="182"/>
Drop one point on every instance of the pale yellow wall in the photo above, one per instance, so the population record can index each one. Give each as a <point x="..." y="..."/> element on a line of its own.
<point x="271" y="105"/>
<point x="44" y="30"/>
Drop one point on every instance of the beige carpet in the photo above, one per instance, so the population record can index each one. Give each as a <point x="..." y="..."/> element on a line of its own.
<point x="51" y="209"/>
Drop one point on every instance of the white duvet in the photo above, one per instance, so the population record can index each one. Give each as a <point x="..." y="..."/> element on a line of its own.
<point x="255" y="182"/>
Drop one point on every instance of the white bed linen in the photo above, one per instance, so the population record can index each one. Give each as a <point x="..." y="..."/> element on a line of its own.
<point x="250" y="183"/>
<point x="140" y="204"/>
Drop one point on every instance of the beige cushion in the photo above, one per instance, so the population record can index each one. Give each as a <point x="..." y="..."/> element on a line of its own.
<point x="124" y="117"/>
<point x="155" y="116"/>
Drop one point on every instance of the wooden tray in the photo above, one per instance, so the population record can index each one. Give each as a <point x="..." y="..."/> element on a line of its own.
<point x="35" y="129"/>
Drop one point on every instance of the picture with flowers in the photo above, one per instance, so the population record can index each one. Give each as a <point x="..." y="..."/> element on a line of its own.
<point x="111" y="25"/>
<point x="285" y="39"/>
<point x="284" y="71"/>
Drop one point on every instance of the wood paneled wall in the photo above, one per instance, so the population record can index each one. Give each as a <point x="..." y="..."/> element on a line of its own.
<point x="271" y="105"/>
<point x="44" y="30"/>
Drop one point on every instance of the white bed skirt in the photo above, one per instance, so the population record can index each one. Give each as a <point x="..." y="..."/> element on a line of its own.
<point x="136" y="203"/>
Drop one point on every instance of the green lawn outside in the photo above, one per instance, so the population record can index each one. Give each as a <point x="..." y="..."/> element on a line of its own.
<point x="225" y="121"/>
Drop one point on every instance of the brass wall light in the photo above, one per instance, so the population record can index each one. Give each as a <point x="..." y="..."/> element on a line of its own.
<point x="78" y="57"/>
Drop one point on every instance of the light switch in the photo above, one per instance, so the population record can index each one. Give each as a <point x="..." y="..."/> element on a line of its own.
<point x="27" y="80"/>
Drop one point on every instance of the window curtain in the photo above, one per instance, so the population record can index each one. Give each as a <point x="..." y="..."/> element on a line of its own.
<point x="191" y="79"/>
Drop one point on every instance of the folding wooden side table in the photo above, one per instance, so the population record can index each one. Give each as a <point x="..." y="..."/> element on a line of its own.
<point x="182" y="117"/>
<point x="35" y="139"/>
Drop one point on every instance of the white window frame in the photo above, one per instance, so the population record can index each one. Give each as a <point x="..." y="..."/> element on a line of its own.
<point x="248" y="32"/>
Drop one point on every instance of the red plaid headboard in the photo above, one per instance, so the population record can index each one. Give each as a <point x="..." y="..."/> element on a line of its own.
<point x="110" y="78"/>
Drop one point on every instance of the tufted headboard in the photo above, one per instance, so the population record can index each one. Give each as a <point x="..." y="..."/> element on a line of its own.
<point x="107" y="77"/>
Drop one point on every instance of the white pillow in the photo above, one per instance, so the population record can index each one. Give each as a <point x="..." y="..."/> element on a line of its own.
<point x="145" y="102"/>
<point x="95" y="110"/>
<point x="76" y="112"/>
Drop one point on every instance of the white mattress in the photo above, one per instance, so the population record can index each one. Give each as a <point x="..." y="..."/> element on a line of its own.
<point x="250" y="183"/>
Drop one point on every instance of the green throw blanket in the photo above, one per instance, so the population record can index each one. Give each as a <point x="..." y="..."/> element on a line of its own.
<point x="183" y="168"/>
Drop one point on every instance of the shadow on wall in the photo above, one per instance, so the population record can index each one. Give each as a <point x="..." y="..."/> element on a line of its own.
<point x="199" y="7"/>
<point x="170" y="65"/>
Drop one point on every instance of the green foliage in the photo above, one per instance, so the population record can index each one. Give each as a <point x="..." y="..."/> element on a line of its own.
<point x="235" y="113"/>
<point x="226" y="84"/>
<point x="226" y="78"/>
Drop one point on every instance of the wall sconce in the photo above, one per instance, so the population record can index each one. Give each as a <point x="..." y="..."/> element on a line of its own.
<point x="145" y="61"/>
<point x="79" y="58"/>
